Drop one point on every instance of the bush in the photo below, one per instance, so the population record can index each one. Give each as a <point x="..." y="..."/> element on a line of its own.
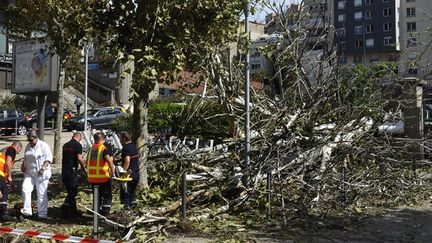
<point x="164" y="116"/>
<point x="204" y="120"/>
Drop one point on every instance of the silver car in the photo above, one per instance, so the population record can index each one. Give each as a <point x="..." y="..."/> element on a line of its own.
<point x="96" y="118"/>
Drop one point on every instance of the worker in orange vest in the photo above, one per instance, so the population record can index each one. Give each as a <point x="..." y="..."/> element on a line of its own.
<point x="7" y="160"/>
<point x="100" y="167"/>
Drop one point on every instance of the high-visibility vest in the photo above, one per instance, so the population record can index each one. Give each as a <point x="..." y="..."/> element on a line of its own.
<point x="3" y="171"/>
<point x="97" y="166"/>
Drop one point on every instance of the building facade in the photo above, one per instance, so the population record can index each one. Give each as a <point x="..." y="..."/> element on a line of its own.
<point x="372" y="31"/>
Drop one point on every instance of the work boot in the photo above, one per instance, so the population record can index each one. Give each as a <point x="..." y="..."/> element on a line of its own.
<point x="65" y="211"/>
<point x="75" y="212"/>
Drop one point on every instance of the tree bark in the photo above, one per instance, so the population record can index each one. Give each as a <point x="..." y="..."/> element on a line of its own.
<point x="59" y="120"/>
<point x="140" y="118"/>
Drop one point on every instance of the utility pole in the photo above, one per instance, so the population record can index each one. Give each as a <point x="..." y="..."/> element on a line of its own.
<point x="87" y="47"/>
<point x="246" y="179"/>
<point x="364" y="40"/>
<point x="41" y="115"/>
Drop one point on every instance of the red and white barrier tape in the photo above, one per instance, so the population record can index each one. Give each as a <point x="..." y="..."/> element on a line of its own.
<point x="59" y="237"/>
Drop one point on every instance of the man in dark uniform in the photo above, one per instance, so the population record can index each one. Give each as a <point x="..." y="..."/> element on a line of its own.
<point x="72" y="155"/>
<point x="130" y="163"/>
<point x="7" y="160"/>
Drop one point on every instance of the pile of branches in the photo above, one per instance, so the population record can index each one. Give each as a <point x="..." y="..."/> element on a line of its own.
<point x="314" y="129"/>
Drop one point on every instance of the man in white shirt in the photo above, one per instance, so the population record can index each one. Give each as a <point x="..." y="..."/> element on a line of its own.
<point x="37" y="171"/>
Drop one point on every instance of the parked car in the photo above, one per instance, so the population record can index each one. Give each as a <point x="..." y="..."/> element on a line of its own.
<point x="12" y="121"/>
<point x="50" y="114"/>
<point x="96" y="118"/>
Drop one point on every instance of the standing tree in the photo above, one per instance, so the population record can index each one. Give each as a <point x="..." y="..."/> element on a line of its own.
<point x="162" y="38"/>
<point x="65" y="23"/>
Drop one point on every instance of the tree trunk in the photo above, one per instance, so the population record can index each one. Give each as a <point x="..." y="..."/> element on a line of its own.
<point x="59" y="120"/>
<point x="140" y="119"/>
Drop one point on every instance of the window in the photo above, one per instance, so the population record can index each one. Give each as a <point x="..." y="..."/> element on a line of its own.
<point x="341" y="32"/>
<point x="341" y="18"/>
<point x="412" y="41"/>
<point x="3" y="41"/>
<point x="369" y="2"/>
<point x="368" y="14"/>
<point x="387" y="26"/>
<point x="387" y="12"/>
<point x="343" y="60"/>
<point x="411" y="26"/>
<point x="101" y="113"/>
<point x="341" y="4"/>
<point x="411" y="12"/>
<point x="358" y="15"/>
<point x="342" y="46"/>
<point x="369" y="42"/>
<point x="387" y="41"/>
<point x="358" y="3"/>
<point x="10" y="114"/>
<point x="256" y="66"/>
<point x="358" y="59"/>
<point x="10" y="47"/>
<point x="358" y="30"/>
<point x="369" y="28"/>
<point x="386" y="1"/>
<point x="358" y="43"/>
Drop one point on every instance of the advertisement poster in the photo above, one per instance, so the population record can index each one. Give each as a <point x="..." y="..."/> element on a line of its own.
<point x="34" y="69"/>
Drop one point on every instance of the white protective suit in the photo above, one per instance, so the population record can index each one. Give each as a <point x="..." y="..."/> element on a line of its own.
<point x="34" y="158"/>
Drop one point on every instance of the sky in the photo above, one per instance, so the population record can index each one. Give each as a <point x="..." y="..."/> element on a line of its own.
<point x="263" y="11"/>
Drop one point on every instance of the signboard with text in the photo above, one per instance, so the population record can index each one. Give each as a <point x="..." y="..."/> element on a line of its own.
<point x="35" y="68"/>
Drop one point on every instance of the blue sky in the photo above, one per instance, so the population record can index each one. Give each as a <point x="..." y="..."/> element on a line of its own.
<point x="263" y="11"/>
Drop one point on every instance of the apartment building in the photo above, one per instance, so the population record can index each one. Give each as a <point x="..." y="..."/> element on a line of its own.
<point x="372" y="31"/>
<point x="310" y="16"/>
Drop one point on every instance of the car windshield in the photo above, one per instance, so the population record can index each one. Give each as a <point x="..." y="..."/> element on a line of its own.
<point x="90" y="112"/>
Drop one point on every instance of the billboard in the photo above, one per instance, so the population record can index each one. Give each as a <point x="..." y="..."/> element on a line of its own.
<point x="35" y="68"/>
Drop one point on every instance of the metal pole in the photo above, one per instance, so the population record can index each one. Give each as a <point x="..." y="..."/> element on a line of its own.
<point x="269" y="194"/>
<point x="247" y="98"/>
<point x="364" y="42"/>
<point x="183" y="205"/>
<point x="41" y="116"/>
<point x="96" y="209"/>
<point x="86" y="49"/>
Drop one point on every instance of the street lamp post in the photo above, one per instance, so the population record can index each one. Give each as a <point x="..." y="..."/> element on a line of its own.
<point x="87" y="47"/>
<point x="247" y="100"/>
